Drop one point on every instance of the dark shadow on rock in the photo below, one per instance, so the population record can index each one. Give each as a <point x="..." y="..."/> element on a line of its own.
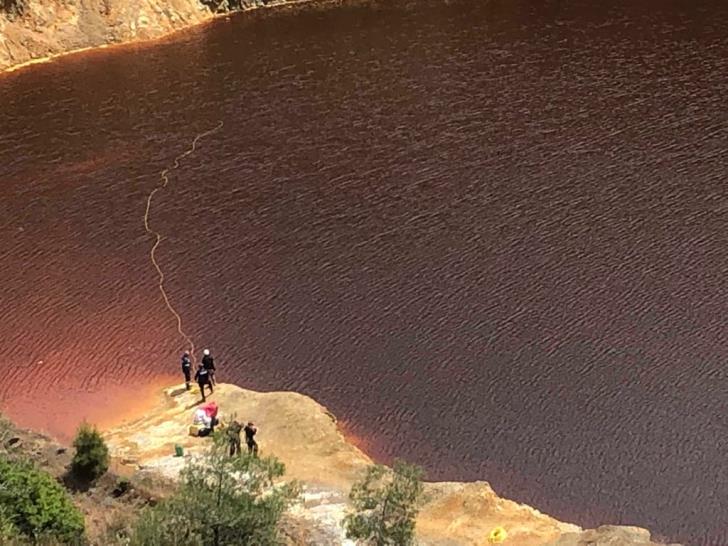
<point x="122" y="486"/>
<point x="14" y="442"/>
<point x="75" y="483"/>
<point x="178" y="391"/>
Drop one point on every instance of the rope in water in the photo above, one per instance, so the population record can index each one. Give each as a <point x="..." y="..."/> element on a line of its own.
<point x="158" y="237"/>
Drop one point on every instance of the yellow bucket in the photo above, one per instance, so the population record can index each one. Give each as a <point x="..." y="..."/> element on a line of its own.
<point x="497" y="535"/>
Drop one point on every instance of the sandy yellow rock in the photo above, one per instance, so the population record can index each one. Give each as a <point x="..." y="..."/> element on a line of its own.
<point x="53" y="27"/>
<point x="305" y="436"/>
<point x="293" y="427"/>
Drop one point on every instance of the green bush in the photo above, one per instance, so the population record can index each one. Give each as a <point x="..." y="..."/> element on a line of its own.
<point x="221" y="501"/>
<point x="34" y="506"/>
<point x="8" y="531"/>
<point x="91" y="459"/>
<point x="386" y="503"/>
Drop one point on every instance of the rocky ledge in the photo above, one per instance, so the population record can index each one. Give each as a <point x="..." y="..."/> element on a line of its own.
<point x="36" y="30"/>
<point x="305" y="436"/>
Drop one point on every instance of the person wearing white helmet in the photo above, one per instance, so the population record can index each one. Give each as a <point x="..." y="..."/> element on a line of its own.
<point x="209" y="364"/>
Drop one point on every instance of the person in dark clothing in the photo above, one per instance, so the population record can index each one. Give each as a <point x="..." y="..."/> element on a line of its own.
<point x="250" y="430"/>
<point x="187" y="368"/>
<point x="233" y="432"/>
<point x="202" y="376"/>
<point x="209" y="363"/>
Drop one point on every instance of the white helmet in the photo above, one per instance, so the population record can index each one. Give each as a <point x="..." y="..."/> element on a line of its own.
<point x="206" y="352"/>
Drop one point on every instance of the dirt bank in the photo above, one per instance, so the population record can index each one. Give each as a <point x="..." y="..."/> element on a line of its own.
<point x="38" y="29"/>
<point x="34" y="31"/>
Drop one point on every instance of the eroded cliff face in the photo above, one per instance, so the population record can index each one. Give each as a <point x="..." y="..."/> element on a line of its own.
<point x="42" y="28"/>
<point x="305" y="436"/>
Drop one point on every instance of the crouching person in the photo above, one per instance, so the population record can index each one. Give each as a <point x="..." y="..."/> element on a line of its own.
<point x="204" y="420"/>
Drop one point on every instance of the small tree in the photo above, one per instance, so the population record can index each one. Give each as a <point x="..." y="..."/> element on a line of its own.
<point x="91" y="460"/>
<point x="386" y="503"/>
<point x="35" y="507"/>
<point x="221" y="501"/>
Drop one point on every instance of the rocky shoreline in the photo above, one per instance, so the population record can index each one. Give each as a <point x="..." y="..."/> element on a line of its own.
<point x="34" y="31"/>
<point x="305" y="436"/>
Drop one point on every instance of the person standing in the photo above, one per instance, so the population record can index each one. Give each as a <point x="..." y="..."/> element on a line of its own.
<point x="233" y="432"/>
<point x="202" y="376"/>
<point x="250" y="431"/>
<point x="187" y="369"/>
<point x="209" y="363"/>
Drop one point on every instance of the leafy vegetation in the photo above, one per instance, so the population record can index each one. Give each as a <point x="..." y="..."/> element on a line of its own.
<point x="91" y="460"/>
<point x="35" y="507"/>
<point x="386" y="503"/>
<point x="8" y="531"/>
<point x="222" y="500"/>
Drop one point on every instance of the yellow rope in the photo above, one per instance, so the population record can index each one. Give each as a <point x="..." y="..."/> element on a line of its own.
<point x="158" y="236"/>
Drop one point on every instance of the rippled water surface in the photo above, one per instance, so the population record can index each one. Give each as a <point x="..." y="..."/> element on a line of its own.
<point x="490" y="236"/>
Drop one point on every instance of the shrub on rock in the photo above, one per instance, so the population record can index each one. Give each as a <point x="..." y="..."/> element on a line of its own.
<point x="91" y="459"/>
<point x="35" y="507"/>
<point x="386" y="503"/>
<point x="221" y="501"/>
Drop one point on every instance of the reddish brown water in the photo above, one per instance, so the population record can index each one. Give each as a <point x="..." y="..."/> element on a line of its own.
<point x="491" y="237"/>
